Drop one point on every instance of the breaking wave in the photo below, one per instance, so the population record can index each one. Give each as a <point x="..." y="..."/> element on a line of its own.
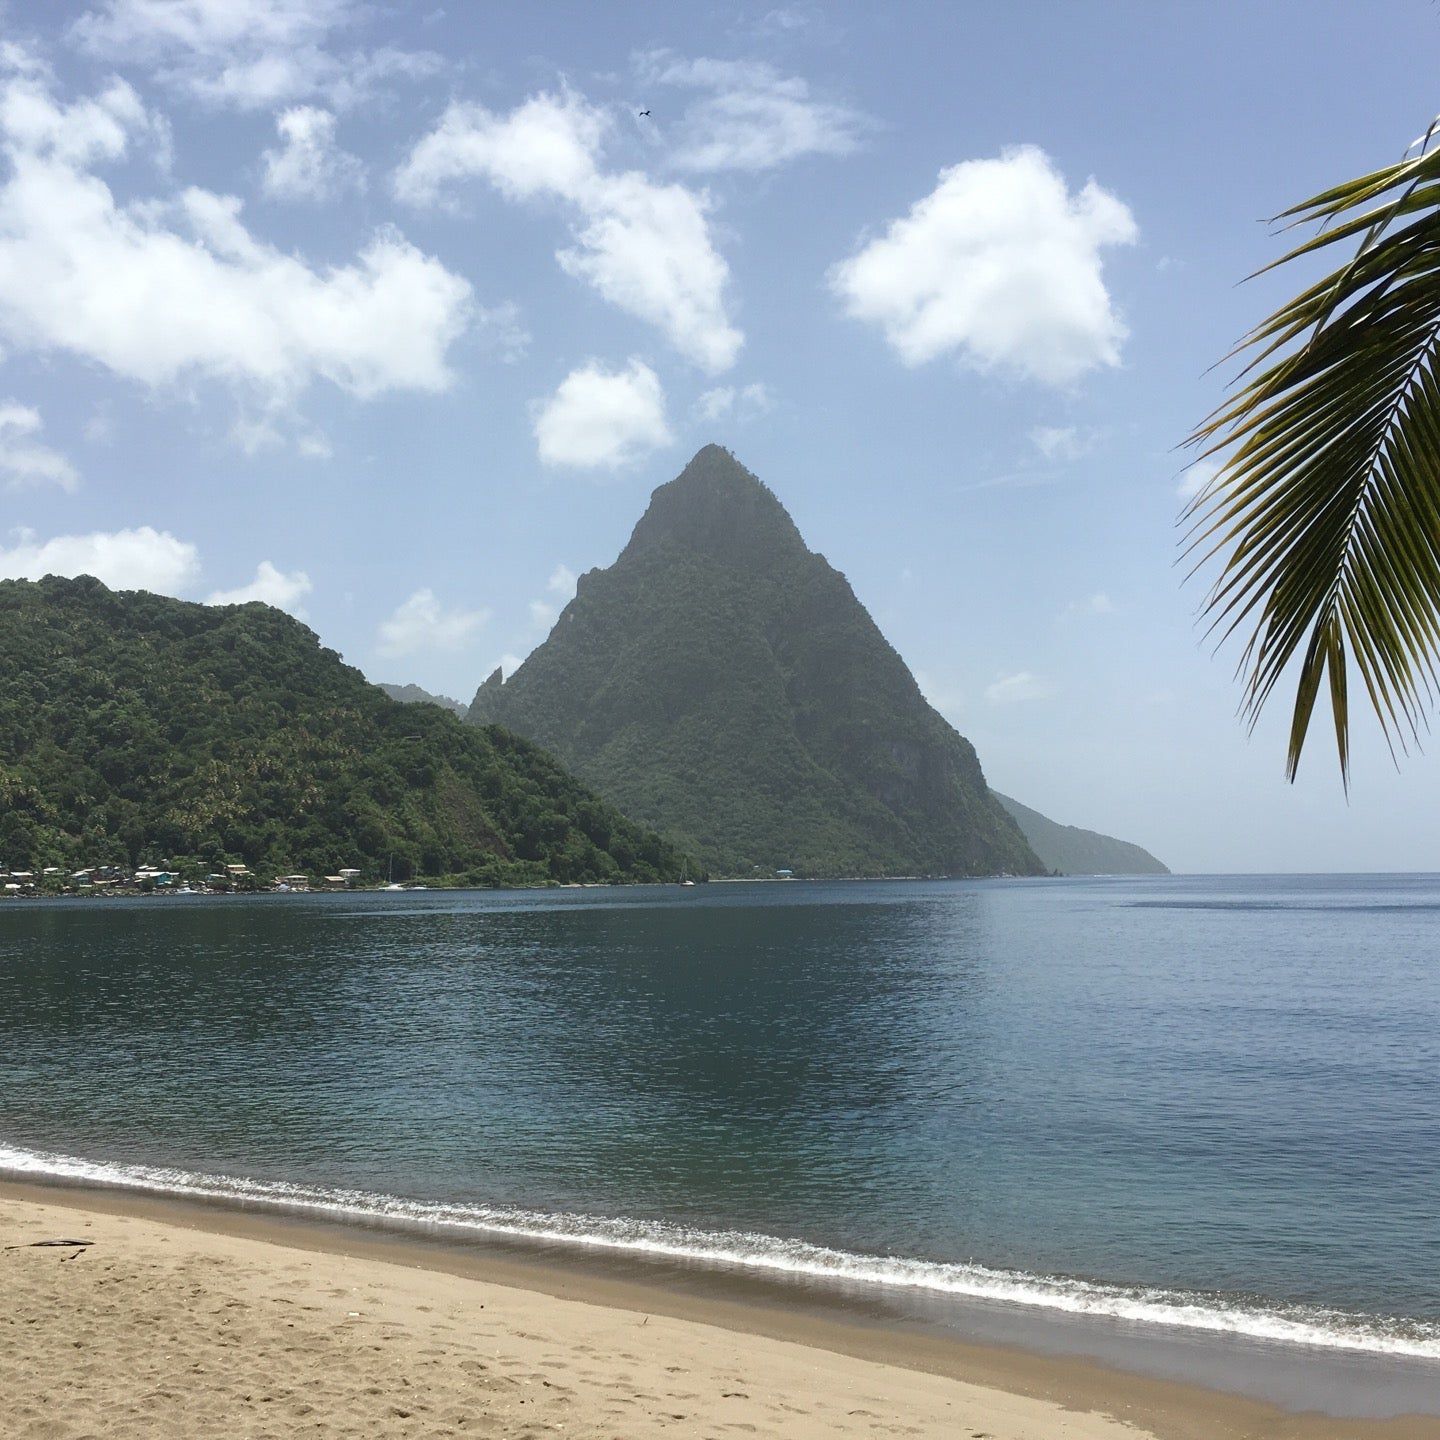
<point x="1284" y="1323"/>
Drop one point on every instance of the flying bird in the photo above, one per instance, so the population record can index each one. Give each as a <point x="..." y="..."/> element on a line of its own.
<point x="643" y="114"/>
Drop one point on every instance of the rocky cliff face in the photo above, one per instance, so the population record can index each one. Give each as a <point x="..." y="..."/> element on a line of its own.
<point x="722" y="683"/>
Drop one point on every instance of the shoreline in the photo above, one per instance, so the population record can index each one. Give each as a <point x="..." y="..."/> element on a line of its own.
<point x="439" y="885"/>
<point x="732" y="1310"/>
<point x="1296" y="1360"/>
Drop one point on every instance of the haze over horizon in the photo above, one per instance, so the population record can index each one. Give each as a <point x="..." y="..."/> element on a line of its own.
<point x="395" y="318"/>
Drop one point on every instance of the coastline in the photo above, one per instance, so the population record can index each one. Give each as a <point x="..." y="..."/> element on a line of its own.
<point x="441" y="884"/>
<point x="767" y="1342"/>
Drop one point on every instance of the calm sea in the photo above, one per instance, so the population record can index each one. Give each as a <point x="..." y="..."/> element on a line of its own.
<point x="1211" y="1103"/>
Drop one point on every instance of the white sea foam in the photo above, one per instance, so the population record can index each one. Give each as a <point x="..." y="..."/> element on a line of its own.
<point x="1288" y="1324"/>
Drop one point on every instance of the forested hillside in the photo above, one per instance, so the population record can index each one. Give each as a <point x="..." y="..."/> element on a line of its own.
<point x="138" y="728"/>
<point x="1069" y="850"/>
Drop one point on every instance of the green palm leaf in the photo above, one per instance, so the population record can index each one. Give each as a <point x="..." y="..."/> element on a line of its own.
<point x="1324" y="513"/>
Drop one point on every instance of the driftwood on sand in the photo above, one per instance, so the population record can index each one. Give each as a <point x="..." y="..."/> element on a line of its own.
<point x="76" y="1247"/>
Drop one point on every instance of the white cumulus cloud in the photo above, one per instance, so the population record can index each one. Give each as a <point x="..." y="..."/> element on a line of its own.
<point x="1022" y="685"/>
<point x="644" y="246"/>
<point x="602" y="418"/>
<point x="999" y="265"/>
<point x="24" y="459"/>
<point x="750" y="116"/>
<point x="271" y="586"/>
<point x="138" y="559"/>
<point x="178" y="289"/>
<point x="308" y="164"/>
<point x="423" y="623"/>
<point x="87" y="132"/>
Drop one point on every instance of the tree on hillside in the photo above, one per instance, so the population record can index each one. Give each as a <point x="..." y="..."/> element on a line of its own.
<point x="1324" y="512"/>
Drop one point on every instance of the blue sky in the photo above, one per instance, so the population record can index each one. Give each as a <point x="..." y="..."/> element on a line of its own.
<point x="395" y="314"/>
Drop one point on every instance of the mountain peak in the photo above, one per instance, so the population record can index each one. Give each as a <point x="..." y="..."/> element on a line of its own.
<point x="722" y="682"/>
<point x="719" y="508"/>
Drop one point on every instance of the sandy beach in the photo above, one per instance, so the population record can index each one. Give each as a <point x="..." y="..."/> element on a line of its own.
<point x="199" y="1323"/>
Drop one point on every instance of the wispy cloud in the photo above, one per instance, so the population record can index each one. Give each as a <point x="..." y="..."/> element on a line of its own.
<point x="1012" y="480"/>
<point x="750" y="116"/>
<point x="24" y="459"/>
<point x="1066" y="442"/>
<point x="423" y="623"/>
<point x="736" y="403"/>
<point x="560" y="590"/>
<point x="309" y="164"/>
<point x="1195" y="477"/>
<point x="249" y="54"/>
<point x="1019" y="687"/>
<point x="1097" y="604"/>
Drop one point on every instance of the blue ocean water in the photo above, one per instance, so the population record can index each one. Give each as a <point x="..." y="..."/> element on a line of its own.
<point x="1201" y="1102"/>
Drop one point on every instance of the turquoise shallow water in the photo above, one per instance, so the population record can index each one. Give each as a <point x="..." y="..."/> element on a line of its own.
<point x="1198" y="1102"/>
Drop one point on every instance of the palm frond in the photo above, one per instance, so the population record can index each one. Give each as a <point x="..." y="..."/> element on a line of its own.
<point x="1324" y="512"/>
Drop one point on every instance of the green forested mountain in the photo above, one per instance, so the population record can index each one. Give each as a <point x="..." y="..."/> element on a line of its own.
<point x="414" y="695"/>
<point x="137" y="728"/>
<point x="722" y="683"/>
<point x="1069" y="850"/>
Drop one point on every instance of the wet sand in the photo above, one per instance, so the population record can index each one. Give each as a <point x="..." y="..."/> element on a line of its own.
<point x="193" y="1320"/>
